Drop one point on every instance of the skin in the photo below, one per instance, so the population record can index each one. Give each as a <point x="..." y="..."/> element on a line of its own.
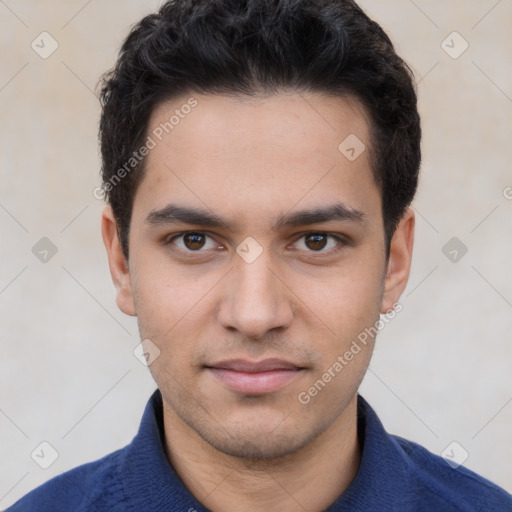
<point x="251" y="160"/>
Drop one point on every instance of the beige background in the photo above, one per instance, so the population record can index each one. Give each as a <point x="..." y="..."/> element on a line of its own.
<point x="442" y="370"/>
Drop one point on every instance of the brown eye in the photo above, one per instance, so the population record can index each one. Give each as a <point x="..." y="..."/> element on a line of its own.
<point x="316" y="241"/>
<point x="323" y="244"/>
<point x="194" y="241"/>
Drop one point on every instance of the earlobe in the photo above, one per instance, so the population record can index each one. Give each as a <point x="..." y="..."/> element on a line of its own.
<point x="399" y="263"/>
<point x="118" y="265"/>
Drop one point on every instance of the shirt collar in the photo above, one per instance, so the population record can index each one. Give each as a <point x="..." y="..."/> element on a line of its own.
<point x="150" y="482"/>
<point x="383" y="472"/>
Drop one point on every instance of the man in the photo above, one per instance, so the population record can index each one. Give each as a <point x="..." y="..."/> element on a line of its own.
<point x="259" y="160"/>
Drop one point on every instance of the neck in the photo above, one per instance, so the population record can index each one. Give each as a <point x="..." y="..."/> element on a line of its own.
<point x="310" y="479"/>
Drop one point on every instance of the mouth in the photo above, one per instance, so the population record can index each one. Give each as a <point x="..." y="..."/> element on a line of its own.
<point x="255" y="377"/>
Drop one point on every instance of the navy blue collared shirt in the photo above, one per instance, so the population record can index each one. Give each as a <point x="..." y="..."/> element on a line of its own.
<point x="394" y="475"/>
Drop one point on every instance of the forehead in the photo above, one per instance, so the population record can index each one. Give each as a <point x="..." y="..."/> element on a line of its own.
<point x="266" y="153"/>
<point x="230" y="124"/>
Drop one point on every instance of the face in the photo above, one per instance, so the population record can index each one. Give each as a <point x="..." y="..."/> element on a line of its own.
<point x="256" y="258"/>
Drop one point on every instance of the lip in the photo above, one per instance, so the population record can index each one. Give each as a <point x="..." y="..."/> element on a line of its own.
<point x="254" y="377"/>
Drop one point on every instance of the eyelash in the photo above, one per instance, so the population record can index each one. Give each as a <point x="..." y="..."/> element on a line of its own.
<point x="341" y="241"/>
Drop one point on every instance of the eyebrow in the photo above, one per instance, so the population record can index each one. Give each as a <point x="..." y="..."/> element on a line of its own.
<point x="175" y="214"/>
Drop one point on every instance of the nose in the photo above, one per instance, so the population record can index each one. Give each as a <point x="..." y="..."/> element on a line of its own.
<point x="255" y="299"/>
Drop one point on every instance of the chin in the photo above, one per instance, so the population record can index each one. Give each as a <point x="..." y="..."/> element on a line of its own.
<point x="251" y="449"/>
<point x="257" y="445"/>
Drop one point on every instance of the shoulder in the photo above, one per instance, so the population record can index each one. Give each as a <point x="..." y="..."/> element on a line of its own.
<point x="89" y="487"/>
<point x="457" y="487"/>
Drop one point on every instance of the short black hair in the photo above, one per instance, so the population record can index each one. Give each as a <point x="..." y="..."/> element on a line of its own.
<point x="253" y="47"/>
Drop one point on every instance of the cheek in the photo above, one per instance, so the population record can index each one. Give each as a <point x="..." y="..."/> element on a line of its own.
<point x="348" y="299"/>
<point x="172" y="310"/>
<point x="163" y="294"/>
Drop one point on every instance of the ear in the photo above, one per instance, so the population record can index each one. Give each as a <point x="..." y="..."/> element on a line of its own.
<point x="117" y="263"/>
<point x="399" y="263"/>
